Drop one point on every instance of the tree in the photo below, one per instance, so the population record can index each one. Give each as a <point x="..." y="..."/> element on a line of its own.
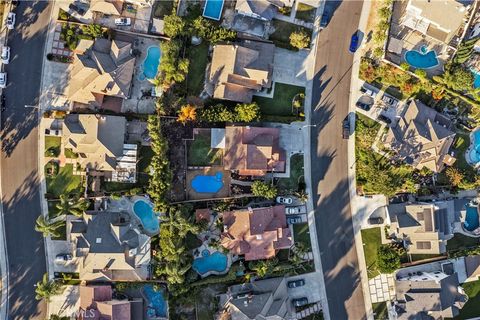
<point x="262" y="189"/>
<point x="378" y="52"/>
<point x="74" y="206"/>
<point x="47" y="227"/>
<point x="299" y="39"/>
<point x="422" y="74"/>
<point x="46" y="288"/>
<point x="454" y="176"/>
<point x="379" y="36"/>
<point x="247" y="112"/>
<point x="404" y="66"/>
<point x="457" y="78"/>
<point x="384" y="13"/>
<point x="438" y="93"/>
<point x="187" y="113"/>
<point x="302" y="196"/>
<point x="263" y="267"/>
<point x="93" y="30"/>
<point x="388" y="259"/>
<point x="173" y="68"/>
<point x="210" y="32"/>
<point x="173" y="25"/>
<point x="174" y="272"/>
<point x="217" y="113"/>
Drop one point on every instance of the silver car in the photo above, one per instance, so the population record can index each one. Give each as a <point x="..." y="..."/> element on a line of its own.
<point x="5" y="56"/>
<point x="3" y="80"/>
<point x="10" y="20"/>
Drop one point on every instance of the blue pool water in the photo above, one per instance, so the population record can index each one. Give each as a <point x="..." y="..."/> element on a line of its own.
<point x="156" y="304"/>
<point x="213" y="9"/>
<point x="149" y="219"/>
<point x="476" y="78"/>
<point x="474" y="153"/>
<point x="208" y="184"/>
<point x="423" y="59"/>
<point x="216" y="261"/>
<point x="150" y="64"/>
<point x="471" y="219"/>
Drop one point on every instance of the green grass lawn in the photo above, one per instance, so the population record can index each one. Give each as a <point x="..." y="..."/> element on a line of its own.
<point x="301" y="234"/>
<point x="472" y="308"/>
<point x="200" y="153"/>
<point x="380" y="311"/>
<point x="70" y="154"/>
<point x="198" y="56"/>
<point x="64" y="182"/>
<point x="296" y="174"/>
<point x="460" y="241"/>
<point x="462" y="142"/>
<point x="52" y="146"/>
<point x="281" y="35"/>
<point x="305" y="12"/>
<point x="281" y="102"/>
<point x="372" y="240"/>
<point x="162" y="8"/>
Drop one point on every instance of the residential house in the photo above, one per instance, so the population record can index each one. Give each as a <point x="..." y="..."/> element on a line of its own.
<point x="260" y="9"/>
<point x="429" y="18"/>
<point x="115" y="7"/>
<point x="109" y="247"/>
<point x="238" y="70"/>
<point x="422" y="137"/>
<point x="262" y="299"/>
<point x="100" y="68"/>
<point x="99" y="142"/>
<point x="97" y="302"/>
<point x="256" y="233"/>
<point x="424" y="228"/>
<point x="251" y="151"/>
<point x="428" y="295"/>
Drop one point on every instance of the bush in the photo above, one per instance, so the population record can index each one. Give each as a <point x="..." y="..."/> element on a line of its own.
<point x="405" y="66"/>
<point x="299" y="39"/>
<point x="210" y="32"/>
<point x="247" y="112"/>
<point x="217" y="113"/>
<point x="262" y="189"/>
<point x="174" y="25"/>
<point x="388" y="259"/>
<point x="173" y="68"/>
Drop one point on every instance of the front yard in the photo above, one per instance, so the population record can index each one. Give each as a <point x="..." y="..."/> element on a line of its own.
<point x="53" y="213"/>
<point x="305" y="12"/>
<point x="301" y="234"/>
<point x="63" y="182"/>
<point x="281" y="35"/>
<point x="52" y="146"/>
<point x="296" y="175"/>
<point x="372" y="240"/>
<point x="280" y="105"/>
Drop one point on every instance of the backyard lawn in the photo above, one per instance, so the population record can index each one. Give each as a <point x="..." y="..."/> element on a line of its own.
<point x="305" y="12"/>
<point x="64" y="182"/>
<point x="472" y="308"/>
<point x="301" y="234"/>
<point x="196" y="71"/>
<point x="462" y="142"/>
<point x="52" y="146"/>
<point x="200" y="153"/>
<point x="372" y="239"/>
<point x="460" y="241"/>
<point x="380" y="311"/>
<point x="281" y="102"/>
<point x="296" y="173"/>
<point x="281" y="35"/>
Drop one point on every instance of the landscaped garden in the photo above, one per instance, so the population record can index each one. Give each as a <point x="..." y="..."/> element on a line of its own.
<point x="280" y="107"/>
<point x="296" y="179"/>
<point x="63" y="182"/>
<point x="53" y="212"/>
<point x="200" y="153"/>
<point x="471" y="309"/>
<point x="301" y="234"/>
<point x="52" y="146"/>
<point x="305" y="12"/>
<point x="196" y="71"/>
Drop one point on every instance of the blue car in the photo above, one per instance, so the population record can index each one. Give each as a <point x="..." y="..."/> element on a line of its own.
<point x="354" y="43"/>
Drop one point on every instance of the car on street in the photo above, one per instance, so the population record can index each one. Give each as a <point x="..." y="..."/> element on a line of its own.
<point x="284" y="200"/>
<point x="292" y="210"/>
<point x="325" y="19"/>
<point x="3" y="80"/>
<point x="385" y="119"/>
<point x="363" y="105"/>
<point x="294" y="220"/>
<point x="296" y="283"/>
<point x="300" y="302"/>
<point x="63" y="258"/>
<point x="11" y="20"/>
<point x="354" y="42"/>
<point x="346" y="128"/>
<point x="5" y="56"/>
<point x="77" y="9"/>
<point x="123" y="21"/>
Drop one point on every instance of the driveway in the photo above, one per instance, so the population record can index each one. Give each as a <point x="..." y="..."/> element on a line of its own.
<point x="309" y="290"/>
<point x="290" y="67"/>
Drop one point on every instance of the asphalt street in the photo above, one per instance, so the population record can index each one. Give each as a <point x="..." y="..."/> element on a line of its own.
<point x="330" y="103"/>
<point x="19" y="174"/>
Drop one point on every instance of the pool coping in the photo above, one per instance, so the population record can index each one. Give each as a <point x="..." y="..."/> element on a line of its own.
<point x="436" y="57"/>
<point x="212" y="272"/>
<point x="141" y="65"/>
<point x="213" y="18"/>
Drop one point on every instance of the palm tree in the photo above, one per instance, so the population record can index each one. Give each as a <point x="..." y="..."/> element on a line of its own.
<point x="173" y="272"/>
<point x="46" y="288"/>
<point x="302" y="196"/>
<point x="179" y="224"/>
<point x="75" y="205"/>
<point x="48" y="227"/>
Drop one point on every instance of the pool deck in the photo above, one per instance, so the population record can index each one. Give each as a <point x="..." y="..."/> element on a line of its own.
<point x="224" y="192"/>
<point x="212" y="251"/>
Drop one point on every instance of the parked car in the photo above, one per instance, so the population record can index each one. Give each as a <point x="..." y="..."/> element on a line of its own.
<point x="63" y="258"/>
<point x="390" y="101"/>
<point x="292" y="210"/>
<point x="346" y="128"/>
<point x="375" y="220"/>
<point x="368" y="92"/>
<point x="325" y="19"/>
<point x="284" y="200"/>
<point x="77" y="9"/>
<point x="363" y="106"/>
<point x="300" y="302"/>
<point x="3" y="80"/>
<point x="294" y="220"/>
<point x="296" y="283"/>
<point x="354" y="42"/>
<point x="123" y="21"/>
<point x="10" y="20"/>
<point x="385" y="119"/>
<point x="5" y="56"/>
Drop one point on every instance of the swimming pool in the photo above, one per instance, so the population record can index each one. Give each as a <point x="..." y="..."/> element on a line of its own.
<point x="213" y="9"/>
<point x="144" y="211"/>
<point x="150" y="64"/>
<point x="208" y="184"/>
<point x="471" y="219"/>
<point x="476" y="78"/>
<point x="422" y="60"/>
<point x="156" y="303"/>
<point x="216" y="261"/>
<point x="474" y="153"/>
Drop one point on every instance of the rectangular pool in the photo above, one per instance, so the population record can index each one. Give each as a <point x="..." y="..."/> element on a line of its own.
<point x="213" y="9"/>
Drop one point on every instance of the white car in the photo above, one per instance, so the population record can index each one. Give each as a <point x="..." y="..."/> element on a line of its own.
<point x="63" y="258"/>
<point x="284" y="200"/>
<point x="10" y="20"/>
<point x="5" y="56"/>
<point x="123" y="21"/>
<point x="292" y="210"/>
<point x="3" y="80"/>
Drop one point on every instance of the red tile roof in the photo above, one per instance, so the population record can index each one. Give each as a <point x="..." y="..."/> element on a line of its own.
<point x="96" y="303"/>
<point x="202" y="214"/>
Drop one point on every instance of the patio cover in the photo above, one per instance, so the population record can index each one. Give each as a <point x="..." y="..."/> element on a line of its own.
<point x="395" y="45"/>
<point x="217" y="138"/>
